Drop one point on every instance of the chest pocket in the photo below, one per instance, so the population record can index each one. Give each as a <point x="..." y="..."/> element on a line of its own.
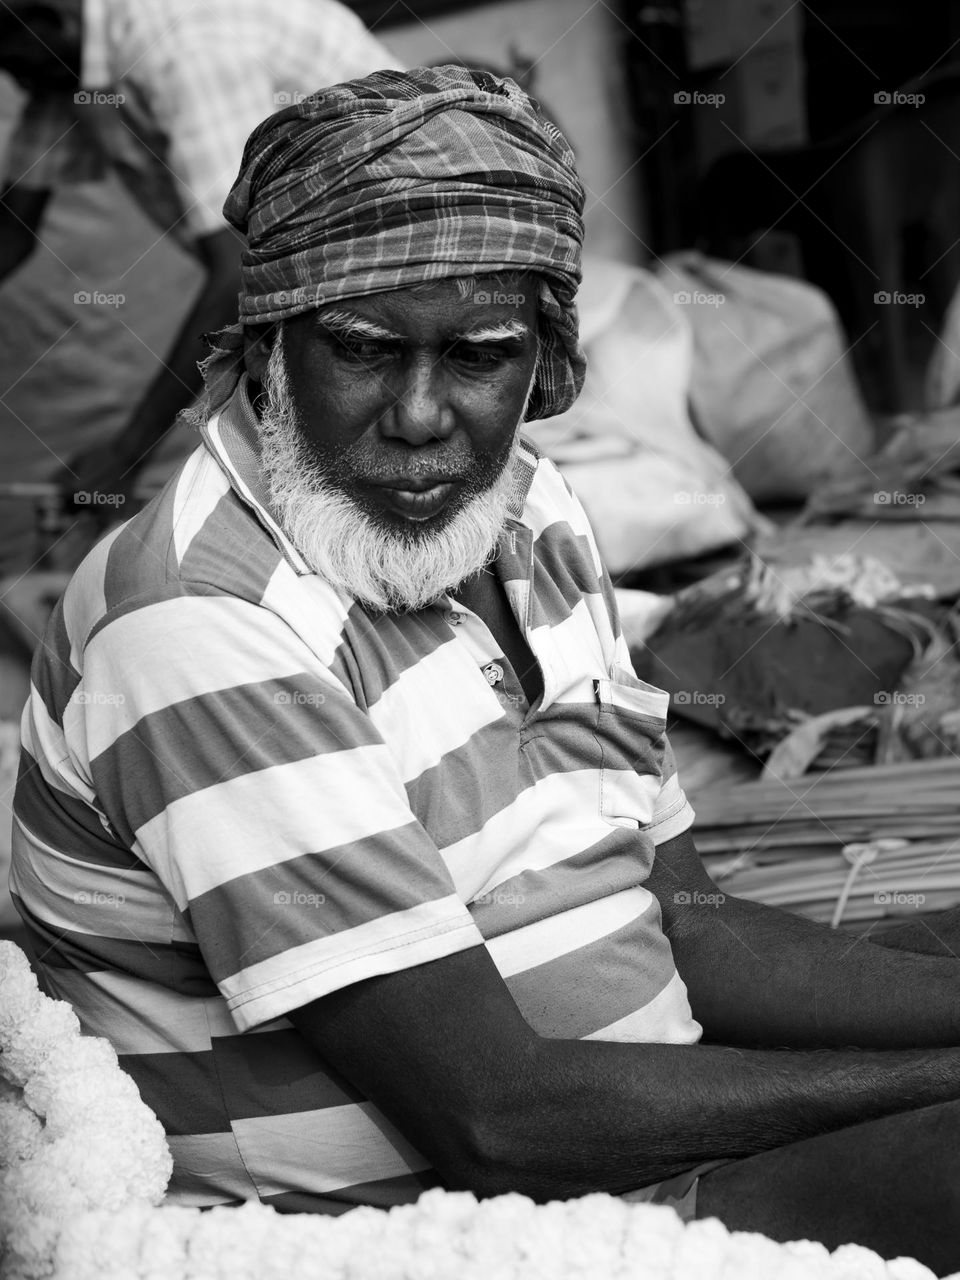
<point x="631" y="725"/>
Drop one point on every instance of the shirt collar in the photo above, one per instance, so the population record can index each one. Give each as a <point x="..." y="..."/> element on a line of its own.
<point x="231" y="436"/>
<point x="524" y="470"/>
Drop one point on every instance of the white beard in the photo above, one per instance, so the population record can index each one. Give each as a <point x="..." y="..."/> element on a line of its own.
<point x="384" y="569"/>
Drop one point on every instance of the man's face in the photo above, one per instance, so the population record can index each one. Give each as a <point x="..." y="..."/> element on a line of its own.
<point x="411" y="398"/>
<point x="387" y="429"/>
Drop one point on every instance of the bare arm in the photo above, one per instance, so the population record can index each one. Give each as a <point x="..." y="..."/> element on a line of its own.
<point x="442" y="1050"/>
<point x="760" y="976"/>
<point x="936" y="935"/>
<point x="21" y="211"/>
<point x="179" y="380"/>
<point x="113" y="467"/>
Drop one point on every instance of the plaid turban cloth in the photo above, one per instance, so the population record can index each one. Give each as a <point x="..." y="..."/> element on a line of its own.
<point x="402" y="178"/>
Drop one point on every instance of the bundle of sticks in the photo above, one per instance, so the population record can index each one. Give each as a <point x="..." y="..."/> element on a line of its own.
<point x="850" y="846"/>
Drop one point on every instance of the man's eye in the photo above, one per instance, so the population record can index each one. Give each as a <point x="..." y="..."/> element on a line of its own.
<point x="476" y="356"/>
<point x="361" y="352"/>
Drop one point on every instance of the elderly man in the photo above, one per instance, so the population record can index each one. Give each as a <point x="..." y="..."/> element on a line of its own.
<point x="342" y="813"/>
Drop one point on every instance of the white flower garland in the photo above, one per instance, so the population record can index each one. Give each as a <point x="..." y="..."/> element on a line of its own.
<point x="75" y="1134"/>
<point x="83" y="1162"/>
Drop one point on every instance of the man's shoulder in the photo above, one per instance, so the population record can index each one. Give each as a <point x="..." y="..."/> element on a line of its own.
<point x="550" y="498"/>
<point x="196" y="538"/>
<point x="199" y="562"/>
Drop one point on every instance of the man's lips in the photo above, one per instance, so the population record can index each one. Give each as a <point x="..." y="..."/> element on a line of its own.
<point x="413" y="498"/>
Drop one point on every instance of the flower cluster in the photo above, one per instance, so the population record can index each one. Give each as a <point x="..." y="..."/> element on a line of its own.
<point x="74" y="1132"/>
<point x="447" y="1236"/>
<point x="83" y="1161"/>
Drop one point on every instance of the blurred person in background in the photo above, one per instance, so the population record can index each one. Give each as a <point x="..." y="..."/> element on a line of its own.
<point x="162" y="97"/>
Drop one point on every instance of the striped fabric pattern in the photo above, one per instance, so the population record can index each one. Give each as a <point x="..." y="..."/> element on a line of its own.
<point x="240" y="791"/>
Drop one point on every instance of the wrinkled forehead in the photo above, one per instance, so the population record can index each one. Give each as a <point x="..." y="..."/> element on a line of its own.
<point x="505" y="295"/>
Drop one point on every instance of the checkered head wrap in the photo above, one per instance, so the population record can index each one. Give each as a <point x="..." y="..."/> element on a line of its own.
<point x="402" y="178"/>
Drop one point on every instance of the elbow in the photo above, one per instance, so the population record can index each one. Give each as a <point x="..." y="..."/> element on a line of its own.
<point x="490" y="1172"/>
<point x="493" y="1147"/>
<point x="500" y="1163"/>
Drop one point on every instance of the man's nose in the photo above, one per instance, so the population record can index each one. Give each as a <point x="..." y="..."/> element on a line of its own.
<point x="421" y="412"/>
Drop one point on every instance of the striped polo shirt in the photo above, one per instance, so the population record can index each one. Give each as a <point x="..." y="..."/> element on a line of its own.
<point x="240" y="790"/>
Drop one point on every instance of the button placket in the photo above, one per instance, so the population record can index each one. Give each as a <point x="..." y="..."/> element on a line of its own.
<point x="501" y="678"/>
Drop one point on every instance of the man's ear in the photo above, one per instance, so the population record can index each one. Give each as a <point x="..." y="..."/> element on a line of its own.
<point x="258" y="343"/>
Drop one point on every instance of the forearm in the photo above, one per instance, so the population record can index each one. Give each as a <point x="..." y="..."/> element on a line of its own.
<point x="20" y="215"/>
<point x="179" y="379"/>
<point x="495" y="1107"/>
<point x="759" y="976"/>
<point x="602" y="1116"/>
<point x="936" y="935"/>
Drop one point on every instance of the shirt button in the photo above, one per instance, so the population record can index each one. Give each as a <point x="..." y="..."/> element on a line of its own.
<point x="493" y="672"/>
<point x="454" y="618"/>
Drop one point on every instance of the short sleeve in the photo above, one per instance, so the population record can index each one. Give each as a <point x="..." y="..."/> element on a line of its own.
<point x="206" y="97"/>
<point x="211" y="78"/>
<point x="246" y="777"/>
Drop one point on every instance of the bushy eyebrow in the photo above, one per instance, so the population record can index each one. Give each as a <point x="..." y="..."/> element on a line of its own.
<point x="351" y="327"/>
<point x="494" y="332"/>
<point x="345" y="324"/>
